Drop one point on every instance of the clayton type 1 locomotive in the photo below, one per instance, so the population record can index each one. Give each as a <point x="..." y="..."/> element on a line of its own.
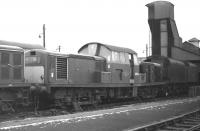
<point x="104" y="73"/>
<point x="99" y="73"/>
<point x="32" y="75"/>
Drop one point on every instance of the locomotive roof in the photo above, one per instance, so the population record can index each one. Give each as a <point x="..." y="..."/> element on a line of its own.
<point x="63" y="54"/>
<point x="10" y="48"/>
<point x="22" y="45"/>
<point x="110" y="47"/>
<point x="86" y="56"/>
<point x="46" y="51"/>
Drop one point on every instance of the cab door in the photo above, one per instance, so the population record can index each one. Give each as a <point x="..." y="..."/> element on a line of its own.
<point x="120" y="67"/>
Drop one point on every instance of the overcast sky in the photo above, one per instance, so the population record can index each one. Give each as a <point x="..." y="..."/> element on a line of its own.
<point x="72" y="23"/>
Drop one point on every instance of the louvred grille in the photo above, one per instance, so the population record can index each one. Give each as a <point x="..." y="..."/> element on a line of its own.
<point x="61" y="68"/>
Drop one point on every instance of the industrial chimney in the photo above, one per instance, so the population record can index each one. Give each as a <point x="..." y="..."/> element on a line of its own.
<point x="163" y="28"/>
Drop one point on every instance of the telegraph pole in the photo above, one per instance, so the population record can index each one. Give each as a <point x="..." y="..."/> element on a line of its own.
<point x="44" y="44"/>
<point x="59" y="47"/>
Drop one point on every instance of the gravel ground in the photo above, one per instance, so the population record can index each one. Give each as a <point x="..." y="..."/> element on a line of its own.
<point x="116" y="119"/>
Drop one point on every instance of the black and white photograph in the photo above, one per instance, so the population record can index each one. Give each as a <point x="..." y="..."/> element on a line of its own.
<point x="99" y="65"/>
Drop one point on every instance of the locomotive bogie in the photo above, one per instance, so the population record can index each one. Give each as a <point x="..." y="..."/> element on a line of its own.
<point x="91" y="96"/>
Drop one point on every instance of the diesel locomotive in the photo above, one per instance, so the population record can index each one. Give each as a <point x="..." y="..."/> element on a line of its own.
<point x="102" y="73"/>
<point x="99" y="73"/>
<point x="173" y="77"/>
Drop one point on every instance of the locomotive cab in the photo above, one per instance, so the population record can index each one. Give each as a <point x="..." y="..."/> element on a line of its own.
<point x="121" y="62"/>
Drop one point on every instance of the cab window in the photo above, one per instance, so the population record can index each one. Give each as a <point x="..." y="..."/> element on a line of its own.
<point x="104" y="52"/>
<point x="89" y="50"/>
<point x="32" y="60"/>
<point x="5" y="73"/>
<point x="4" y="58"/>
<point x="17" y="70"/>
<point x="122" y="58"/>
<point x="115" y="57"/>
<point x="17" y="73"/>
<point x="5" y="69"/>
<point x="17" y="59"/>
<point x="126" y="58"/>
<point x="92" y="49"/>
<point x="84" y="51"/>
<point x="135" y="59"/>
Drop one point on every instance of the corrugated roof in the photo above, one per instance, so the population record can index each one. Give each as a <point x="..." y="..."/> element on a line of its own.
<point x="110" y="47"/>
<point x="22" y="45"/>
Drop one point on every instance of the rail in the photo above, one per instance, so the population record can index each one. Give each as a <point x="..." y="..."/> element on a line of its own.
<point x="186" y="122"/>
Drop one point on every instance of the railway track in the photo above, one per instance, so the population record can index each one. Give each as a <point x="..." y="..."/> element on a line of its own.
<point x="56" y="111"/>
<point x="185" y="122"/>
